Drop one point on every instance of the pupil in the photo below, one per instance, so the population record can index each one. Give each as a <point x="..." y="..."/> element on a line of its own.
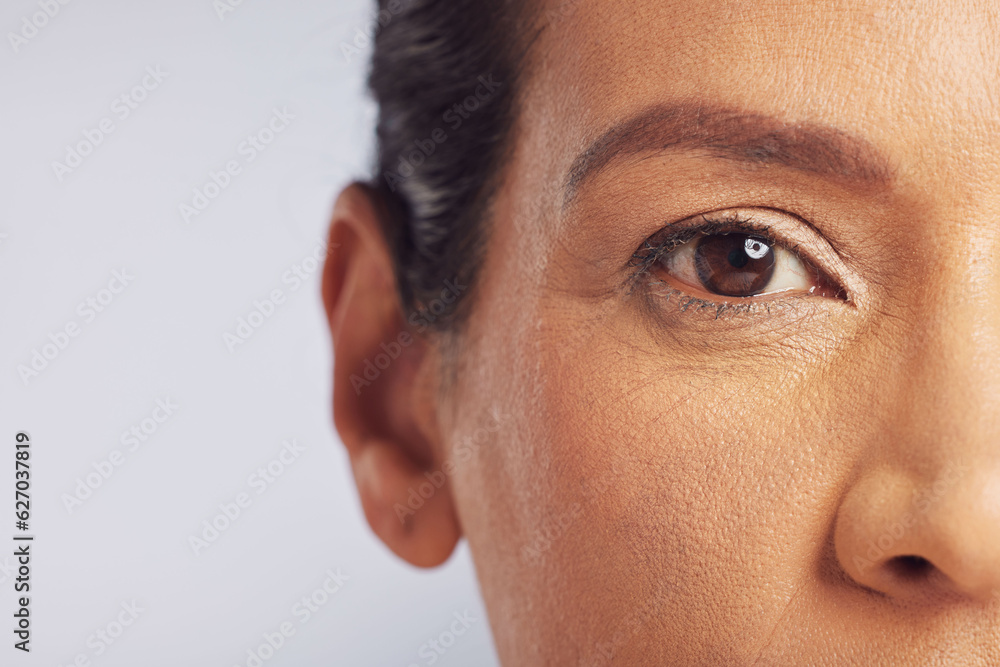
<point x="738" y="258"/>
<point x="734" y="264"/>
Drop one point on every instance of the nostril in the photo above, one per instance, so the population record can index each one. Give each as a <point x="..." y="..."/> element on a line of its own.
<point x="910" y="568"/>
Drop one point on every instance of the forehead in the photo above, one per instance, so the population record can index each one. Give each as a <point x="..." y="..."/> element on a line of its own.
<point x="916" y="79"/>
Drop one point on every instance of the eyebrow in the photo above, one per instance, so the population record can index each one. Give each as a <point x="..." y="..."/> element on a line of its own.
<point x="731" y="134"/>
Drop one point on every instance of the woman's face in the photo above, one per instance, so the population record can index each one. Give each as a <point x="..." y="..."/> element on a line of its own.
<point x="677" y="472"/>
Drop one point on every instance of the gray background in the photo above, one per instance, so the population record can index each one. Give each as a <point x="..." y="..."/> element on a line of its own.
<point x="163" y="336"/>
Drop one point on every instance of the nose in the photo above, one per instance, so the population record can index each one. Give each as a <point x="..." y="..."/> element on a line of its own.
<point x="923" y="539"/>
<point x="921" y="520"/>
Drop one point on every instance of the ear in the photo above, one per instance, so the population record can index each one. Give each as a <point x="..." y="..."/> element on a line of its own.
<point x="384" y="389"/>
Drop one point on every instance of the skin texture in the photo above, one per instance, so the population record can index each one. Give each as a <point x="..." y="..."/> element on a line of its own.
<point x="810" y="480"/>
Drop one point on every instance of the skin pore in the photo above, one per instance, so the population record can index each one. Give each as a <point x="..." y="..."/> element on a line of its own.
<point x="652" y="473"/>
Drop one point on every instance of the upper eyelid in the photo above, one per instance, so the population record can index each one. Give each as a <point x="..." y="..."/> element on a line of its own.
<point x="676" y="234"/>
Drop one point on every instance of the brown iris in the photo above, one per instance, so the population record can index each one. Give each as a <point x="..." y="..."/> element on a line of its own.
<point x="734" y="264"/>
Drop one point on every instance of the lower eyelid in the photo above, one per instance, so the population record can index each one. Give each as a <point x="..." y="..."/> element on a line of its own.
<point x="666" y="295"/>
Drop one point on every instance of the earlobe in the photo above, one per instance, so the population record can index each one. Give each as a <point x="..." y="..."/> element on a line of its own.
<point x="383" y="396"/>
<point x="418" y="525"/>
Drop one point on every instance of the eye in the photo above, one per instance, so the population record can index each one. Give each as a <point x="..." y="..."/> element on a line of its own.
<point x="739" y="265"/>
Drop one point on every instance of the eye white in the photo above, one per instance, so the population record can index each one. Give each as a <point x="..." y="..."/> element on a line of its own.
<point x="790" y="273"/>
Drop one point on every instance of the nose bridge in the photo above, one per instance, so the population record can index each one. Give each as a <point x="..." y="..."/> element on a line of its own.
<point x="953" y="398"/>
<point x="951" y="368"/>
<point x="923" y="516"/>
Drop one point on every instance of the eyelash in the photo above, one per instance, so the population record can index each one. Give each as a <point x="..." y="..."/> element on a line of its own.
<point x="662" y="242"/>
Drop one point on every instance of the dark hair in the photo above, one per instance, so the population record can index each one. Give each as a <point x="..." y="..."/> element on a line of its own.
<point x="444" y="76"/>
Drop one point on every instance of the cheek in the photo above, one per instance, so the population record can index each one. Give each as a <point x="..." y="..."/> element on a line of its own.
<point x="701" y="493"/>
<point x="669" y="504"/>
